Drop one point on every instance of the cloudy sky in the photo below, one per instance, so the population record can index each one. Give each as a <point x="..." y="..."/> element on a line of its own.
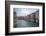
<point x="24" y="11"/>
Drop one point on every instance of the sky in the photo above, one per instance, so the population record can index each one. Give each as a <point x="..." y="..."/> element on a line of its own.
<point x="24" y="11"/>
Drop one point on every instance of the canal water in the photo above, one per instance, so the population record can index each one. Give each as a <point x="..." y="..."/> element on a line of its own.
<point x="24" y="23"/>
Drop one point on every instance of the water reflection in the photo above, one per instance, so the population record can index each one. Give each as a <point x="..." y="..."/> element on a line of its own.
<point x="24" y="23"/>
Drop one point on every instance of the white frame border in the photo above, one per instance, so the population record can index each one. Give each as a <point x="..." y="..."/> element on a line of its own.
<point x="28" y="28"/>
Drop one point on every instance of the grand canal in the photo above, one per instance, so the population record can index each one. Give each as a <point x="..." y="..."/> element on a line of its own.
<point x="24" y="23"/>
